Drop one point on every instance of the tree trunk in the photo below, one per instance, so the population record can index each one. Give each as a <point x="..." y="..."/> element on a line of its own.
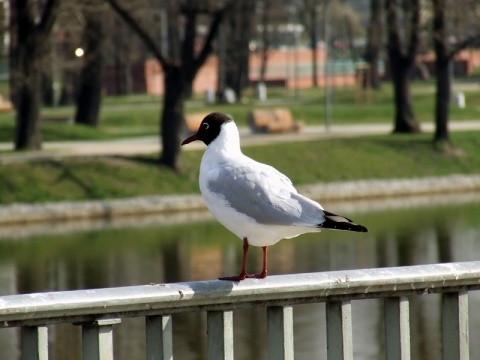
<point x="68" y="93"/>
<point x="263" y="64"/>
<point x="29" y="50"/>
<point x="27" y="91"/>
<point x="444" y="54"/>
<point x="372" y="55"/>
<point x="238" y="27"/>
<point x="265" y="42"/>
<point x="48" y="95"/>
<point x="69" y="73"/>
<point x="404" y="117"/>
<point x="121" y="61"/>
<point x="28" y="134"/>
<point x="442" y="70"/>
<point x="402" y="58"/>
<point x="442" y="99"/>
<point x="90" y="91"/>
<point x="171" y="119"/>
<point x="313" y="47"/>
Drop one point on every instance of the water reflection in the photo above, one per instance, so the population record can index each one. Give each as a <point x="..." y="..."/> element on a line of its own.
<point x="403" y="232"/>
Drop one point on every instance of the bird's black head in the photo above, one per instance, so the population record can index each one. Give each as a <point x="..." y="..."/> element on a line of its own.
<point x="209" y="128"/>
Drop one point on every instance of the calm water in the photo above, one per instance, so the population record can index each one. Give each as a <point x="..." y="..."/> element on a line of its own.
<point x="156" y="250"/>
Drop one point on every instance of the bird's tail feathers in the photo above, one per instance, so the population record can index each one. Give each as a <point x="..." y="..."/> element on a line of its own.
<point x="337" y="222"/>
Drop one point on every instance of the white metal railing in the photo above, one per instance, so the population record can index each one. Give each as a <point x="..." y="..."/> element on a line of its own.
<point x="98" y="310"/>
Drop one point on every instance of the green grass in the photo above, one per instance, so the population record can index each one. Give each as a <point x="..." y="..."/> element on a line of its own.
<point x="138" y="115"/>
<point x="328" y="160"/>
<point x="375" y="157"/>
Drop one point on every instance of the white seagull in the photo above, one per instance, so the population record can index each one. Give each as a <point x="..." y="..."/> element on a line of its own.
<point x="253" y="200"/>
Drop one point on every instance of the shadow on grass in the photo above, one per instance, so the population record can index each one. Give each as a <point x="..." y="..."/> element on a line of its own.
<point x="401" y="142"/>
<point x="66" y="174"/>
<point x="148" y="160"/>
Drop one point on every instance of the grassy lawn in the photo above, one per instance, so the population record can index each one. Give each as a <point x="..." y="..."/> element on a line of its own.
<point x="375" y="157"/>
<point x="138" y="115"/>
<point x="391" y="156"/>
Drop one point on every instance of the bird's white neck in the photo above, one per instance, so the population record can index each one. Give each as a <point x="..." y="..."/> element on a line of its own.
<point x="227" y="142"/>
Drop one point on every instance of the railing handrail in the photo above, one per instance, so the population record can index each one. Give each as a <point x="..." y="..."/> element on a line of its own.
<point x="158" y="299"/>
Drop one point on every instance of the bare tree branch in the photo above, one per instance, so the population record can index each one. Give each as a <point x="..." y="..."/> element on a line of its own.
<point x="471" y="40"/>
<point x="142" y="33"/>
<point x="208" y="44"/>
<point x="391" y="10"/>
<point x="48" y="16"/>
<point x="188" y="47"/>
<point x="414" y="40"/>
<point x="393" y="28"/>
<point x="440" y="36"/>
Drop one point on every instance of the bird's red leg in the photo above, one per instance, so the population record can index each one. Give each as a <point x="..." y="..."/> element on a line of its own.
<point x="263" y="274"/>
<point x="264" y="271"/>
<point x="243" y="272"/>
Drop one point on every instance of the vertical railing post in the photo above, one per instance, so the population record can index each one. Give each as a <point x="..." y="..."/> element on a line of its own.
<point x="220" y="335"/>
<point x="339" y="330"/>
<point x="280" y="333"/>
<point x="159" y="337"/>
<point x="455" y="326"/>
<point x="34" y="343"/>
<point x="97" y="339"/>
<point x="397" y="328"/>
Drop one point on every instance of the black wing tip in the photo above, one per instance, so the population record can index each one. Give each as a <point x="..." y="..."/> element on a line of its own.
<point x="360" y="228"/>
<point x="345" y="224"/>
<point x="329" y="224"/>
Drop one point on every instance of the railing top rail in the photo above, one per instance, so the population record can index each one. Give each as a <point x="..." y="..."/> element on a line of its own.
<point x="87" y="305"/>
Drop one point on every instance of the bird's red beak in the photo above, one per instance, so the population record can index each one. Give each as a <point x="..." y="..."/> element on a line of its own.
<point x="190" y="139"/>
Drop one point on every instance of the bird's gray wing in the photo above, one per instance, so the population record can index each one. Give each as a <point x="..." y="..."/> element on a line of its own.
<point x="265" y="195"/>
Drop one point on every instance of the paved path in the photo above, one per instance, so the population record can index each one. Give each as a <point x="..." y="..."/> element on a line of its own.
<point x="151" y="144"/>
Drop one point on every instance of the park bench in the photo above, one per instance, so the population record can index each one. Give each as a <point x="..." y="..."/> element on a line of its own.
<point x="273" y="121"/>
<point x="5" y="105"/>
<point x="193" y="121"/>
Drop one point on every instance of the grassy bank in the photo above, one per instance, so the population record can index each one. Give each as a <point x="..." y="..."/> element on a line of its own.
<point x="379" y="157"/>
<point x="138" y="115"/>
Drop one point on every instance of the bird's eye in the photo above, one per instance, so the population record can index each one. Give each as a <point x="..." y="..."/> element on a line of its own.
<point x="206" y="126"/>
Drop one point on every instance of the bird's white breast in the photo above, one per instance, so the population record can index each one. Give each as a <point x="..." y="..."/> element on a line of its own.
<point x="225" y="152"/>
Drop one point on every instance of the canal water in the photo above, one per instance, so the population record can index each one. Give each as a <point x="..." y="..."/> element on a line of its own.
<point x="193" y="246"/>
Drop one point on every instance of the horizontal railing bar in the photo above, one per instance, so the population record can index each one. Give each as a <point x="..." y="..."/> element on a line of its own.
<point x="70" y="306"/>
<point x="231" y="306"/>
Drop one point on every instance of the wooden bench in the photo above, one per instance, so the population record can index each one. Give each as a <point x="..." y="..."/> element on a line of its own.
<point x="193" y="121"/>
<point x="273" y="121"/>
<point x="5" y="105"/>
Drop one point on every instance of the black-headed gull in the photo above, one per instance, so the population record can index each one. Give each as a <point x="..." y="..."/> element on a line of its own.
<point x="253" y="200"/>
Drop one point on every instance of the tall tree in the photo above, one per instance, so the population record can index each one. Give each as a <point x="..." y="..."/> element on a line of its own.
<point x="374" y="44"/>
<point x="67" y="64"/>
<point x="180" y="62"/>
<point x="265" y="40"/>
<point x="308" y="11"/>
<point x="31" y="26"/>
<point x="236" y="34"/>
<point x="445" y="50"/>
<point x="90" y="82"/>
<point x="403" y="29"/>
<point x="121" y="44"/>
